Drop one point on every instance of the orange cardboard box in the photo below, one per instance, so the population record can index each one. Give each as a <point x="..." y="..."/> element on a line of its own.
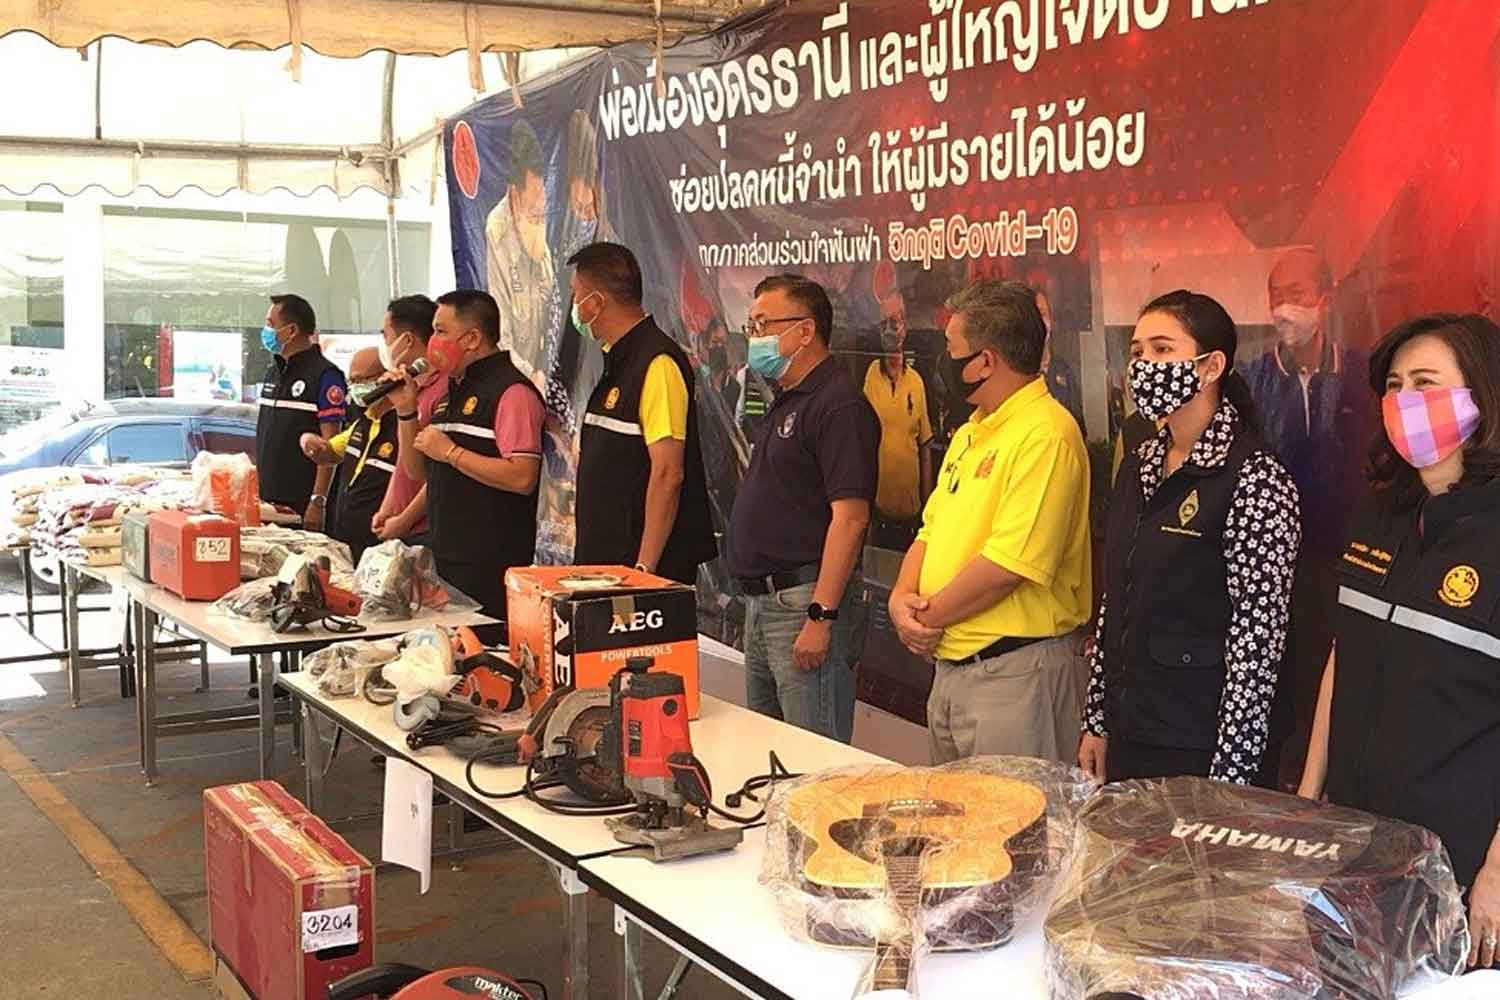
<point x="577" y="625"/>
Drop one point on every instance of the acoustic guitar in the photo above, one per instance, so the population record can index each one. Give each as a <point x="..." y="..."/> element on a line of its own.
<point x="908" y="857"/>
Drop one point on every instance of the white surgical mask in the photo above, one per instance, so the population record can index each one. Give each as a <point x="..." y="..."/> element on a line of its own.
<point x="1295" y="325"/>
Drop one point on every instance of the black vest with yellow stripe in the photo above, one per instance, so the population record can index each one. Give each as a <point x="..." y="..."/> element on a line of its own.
<point x="369" y="459"/>
<point x="614" y="467"/>
<point x="1414" y="731"/>
<point x="473" y="523"/>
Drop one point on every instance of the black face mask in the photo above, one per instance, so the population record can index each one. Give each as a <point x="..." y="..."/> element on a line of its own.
<point x="953" y="376"/>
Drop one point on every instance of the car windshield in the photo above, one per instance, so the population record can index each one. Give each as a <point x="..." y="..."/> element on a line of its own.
<point x="19" y="440"/>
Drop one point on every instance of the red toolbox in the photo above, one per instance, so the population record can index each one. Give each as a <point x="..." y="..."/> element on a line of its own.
<point x="195" y="556"/>
<point x="291" y="906"/>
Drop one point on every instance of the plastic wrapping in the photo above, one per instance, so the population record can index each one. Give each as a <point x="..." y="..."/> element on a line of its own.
<point x="398" y="580"/>
<point x="341" y="669"/>
<point x="911" y="860"/>
<point x="1190" y="889"/>
<point x="265" y="549"/>
<point x="227" y="485"/>
<point x="251" y="601"/>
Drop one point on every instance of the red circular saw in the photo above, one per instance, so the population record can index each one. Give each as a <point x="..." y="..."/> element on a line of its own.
<point x="406" y="982"/>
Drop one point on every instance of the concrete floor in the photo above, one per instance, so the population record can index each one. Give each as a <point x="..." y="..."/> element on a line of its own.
<point x="62" y="932"/>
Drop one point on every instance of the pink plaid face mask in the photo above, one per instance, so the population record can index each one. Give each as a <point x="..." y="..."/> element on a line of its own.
<point x="1427" y="426"/>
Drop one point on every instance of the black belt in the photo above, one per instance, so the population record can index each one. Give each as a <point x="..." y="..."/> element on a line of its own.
<point x="759" y="586"/>
<point x="999" y="648"/>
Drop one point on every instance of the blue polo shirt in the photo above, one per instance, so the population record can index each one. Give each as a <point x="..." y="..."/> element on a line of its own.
<point x="818" y="443"/>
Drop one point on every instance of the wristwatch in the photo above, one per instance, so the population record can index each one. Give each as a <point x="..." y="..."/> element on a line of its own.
<point x="318" y="499"/>
<point x="817" y="613"/>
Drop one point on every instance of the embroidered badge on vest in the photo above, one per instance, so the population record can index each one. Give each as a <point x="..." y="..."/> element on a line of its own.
<point x="1459" y="587"/>
<point x="298" y="386"/>
<point x="613" y="398"/>
<point x="1188" y="510"/>
<point x="386" y="449"/>
<point x="785" y="430"/>
<point x="470" y="405"/>
<point x="985" y="467"/>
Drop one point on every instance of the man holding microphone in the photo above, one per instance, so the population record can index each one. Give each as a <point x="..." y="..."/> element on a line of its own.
<point x="480" y="457"/>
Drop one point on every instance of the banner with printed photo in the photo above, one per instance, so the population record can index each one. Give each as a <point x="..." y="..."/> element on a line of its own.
<point x="1323" y="169"/>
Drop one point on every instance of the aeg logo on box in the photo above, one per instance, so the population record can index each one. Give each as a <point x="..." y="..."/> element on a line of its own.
<point x="638" y="621"/>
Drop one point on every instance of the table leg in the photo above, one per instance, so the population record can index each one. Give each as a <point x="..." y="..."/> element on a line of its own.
<point x="674" y="981"/>
<point x="138" y="669"/>
<point x="456" y="816"/>
<point x="68" y="585"/>
<point x="575" y="935"/>
<point x="203" y="666"/>
<point x="127" y="651"/>
<point x="312" y="758"/>
<point x="629" y="986"/>
<point x="266" y="689"/>
<point x="30" y="592"/>
<point x="294" y="662"/>
<point x="146" y="695"/>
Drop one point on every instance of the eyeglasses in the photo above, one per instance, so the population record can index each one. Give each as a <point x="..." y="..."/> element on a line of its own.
<point x="950" y="468"/>
<point x="757" y="327"/>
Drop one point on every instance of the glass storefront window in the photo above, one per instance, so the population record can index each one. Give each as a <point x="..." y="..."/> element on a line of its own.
<point x="31" y="309"/>
<point x="186" y="292"/>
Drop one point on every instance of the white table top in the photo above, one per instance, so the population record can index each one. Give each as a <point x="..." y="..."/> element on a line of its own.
<point x="112" y="577"/>
<point x="728" y="739"/>
<point x="237" y="637"/>
<point x="749" y="947"/>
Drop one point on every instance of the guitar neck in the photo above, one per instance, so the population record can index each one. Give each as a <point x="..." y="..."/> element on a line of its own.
<point x="893" y="955"/>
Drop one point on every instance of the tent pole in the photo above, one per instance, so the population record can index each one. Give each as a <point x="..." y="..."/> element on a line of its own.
<point x="388" y="140"/>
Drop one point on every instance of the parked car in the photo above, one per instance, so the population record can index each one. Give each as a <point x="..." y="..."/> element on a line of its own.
<point x="126" y="431"/>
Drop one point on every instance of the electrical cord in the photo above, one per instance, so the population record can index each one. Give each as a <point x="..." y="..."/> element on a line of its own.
<point x="777" y="772"/>
<point x="538" y="984"/>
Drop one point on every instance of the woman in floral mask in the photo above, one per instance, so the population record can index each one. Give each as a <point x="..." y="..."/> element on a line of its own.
<point x="1408" y="725"/>
<point x="1200" y="554"/>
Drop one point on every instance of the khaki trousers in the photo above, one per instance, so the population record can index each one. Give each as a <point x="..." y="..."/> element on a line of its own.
<point x="1027" y="703"/>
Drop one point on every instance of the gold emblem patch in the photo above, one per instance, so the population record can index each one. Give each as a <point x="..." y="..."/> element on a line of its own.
<point x="613" y="398"/>
<point x="387" y="449"/>
<point x="470" y="405"/>
<point x="985" y="467"/>
<point x="1188" y="510"/>
<point x="1459" y="587"/>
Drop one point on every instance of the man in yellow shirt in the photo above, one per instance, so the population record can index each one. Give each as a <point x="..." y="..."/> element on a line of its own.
<point x="998" y="581"/>
<point x="899" y="396"/>
<point x="642" y="496"/>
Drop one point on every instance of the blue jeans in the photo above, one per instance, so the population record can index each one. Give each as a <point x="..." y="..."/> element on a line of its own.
<point x="821" y="700"/>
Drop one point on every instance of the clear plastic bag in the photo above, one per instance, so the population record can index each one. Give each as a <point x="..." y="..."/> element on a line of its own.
<point x="251" y="601"/>
<point x="265" y="549"/>
<point x="911" y="860"/>
<point x="341" y="668"/>
<point x="227" y="485"/>
<point x="398" y="581"/>
<point x="1190" y="889"/>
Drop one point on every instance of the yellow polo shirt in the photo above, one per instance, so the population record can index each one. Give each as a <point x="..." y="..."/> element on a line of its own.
<point x="904" y="430"/>
<point x="1013" y="488"/>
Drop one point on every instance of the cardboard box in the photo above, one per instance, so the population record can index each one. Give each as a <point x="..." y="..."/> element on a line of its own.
<point x="196" y="556"/>
<point x="291" y="906"/>
<point x="135" y="543"/>
<point x="577" y="625"/>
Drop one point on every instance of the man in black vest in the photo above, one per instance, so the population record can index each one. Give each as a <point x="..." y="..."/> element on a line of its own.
<point x="364" y="452"/>
<point x="480" y="456"/>
<point x="642" y="498"/>
<point x="303" y="393"/>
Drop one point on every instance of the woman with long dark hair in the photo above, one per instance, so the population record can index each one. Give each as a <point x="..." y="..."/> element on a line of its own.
<point x="1408" y="721"/>
<point x="1200" y="553"/>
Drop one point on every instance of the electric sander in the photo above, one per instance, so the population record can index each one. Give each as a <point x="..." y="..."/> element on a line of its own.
<point x="649" y="747"/>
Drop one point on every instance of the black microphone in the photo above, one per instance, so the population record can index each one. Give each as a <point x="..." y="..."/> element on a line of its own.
<point x="384" y="389"/>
